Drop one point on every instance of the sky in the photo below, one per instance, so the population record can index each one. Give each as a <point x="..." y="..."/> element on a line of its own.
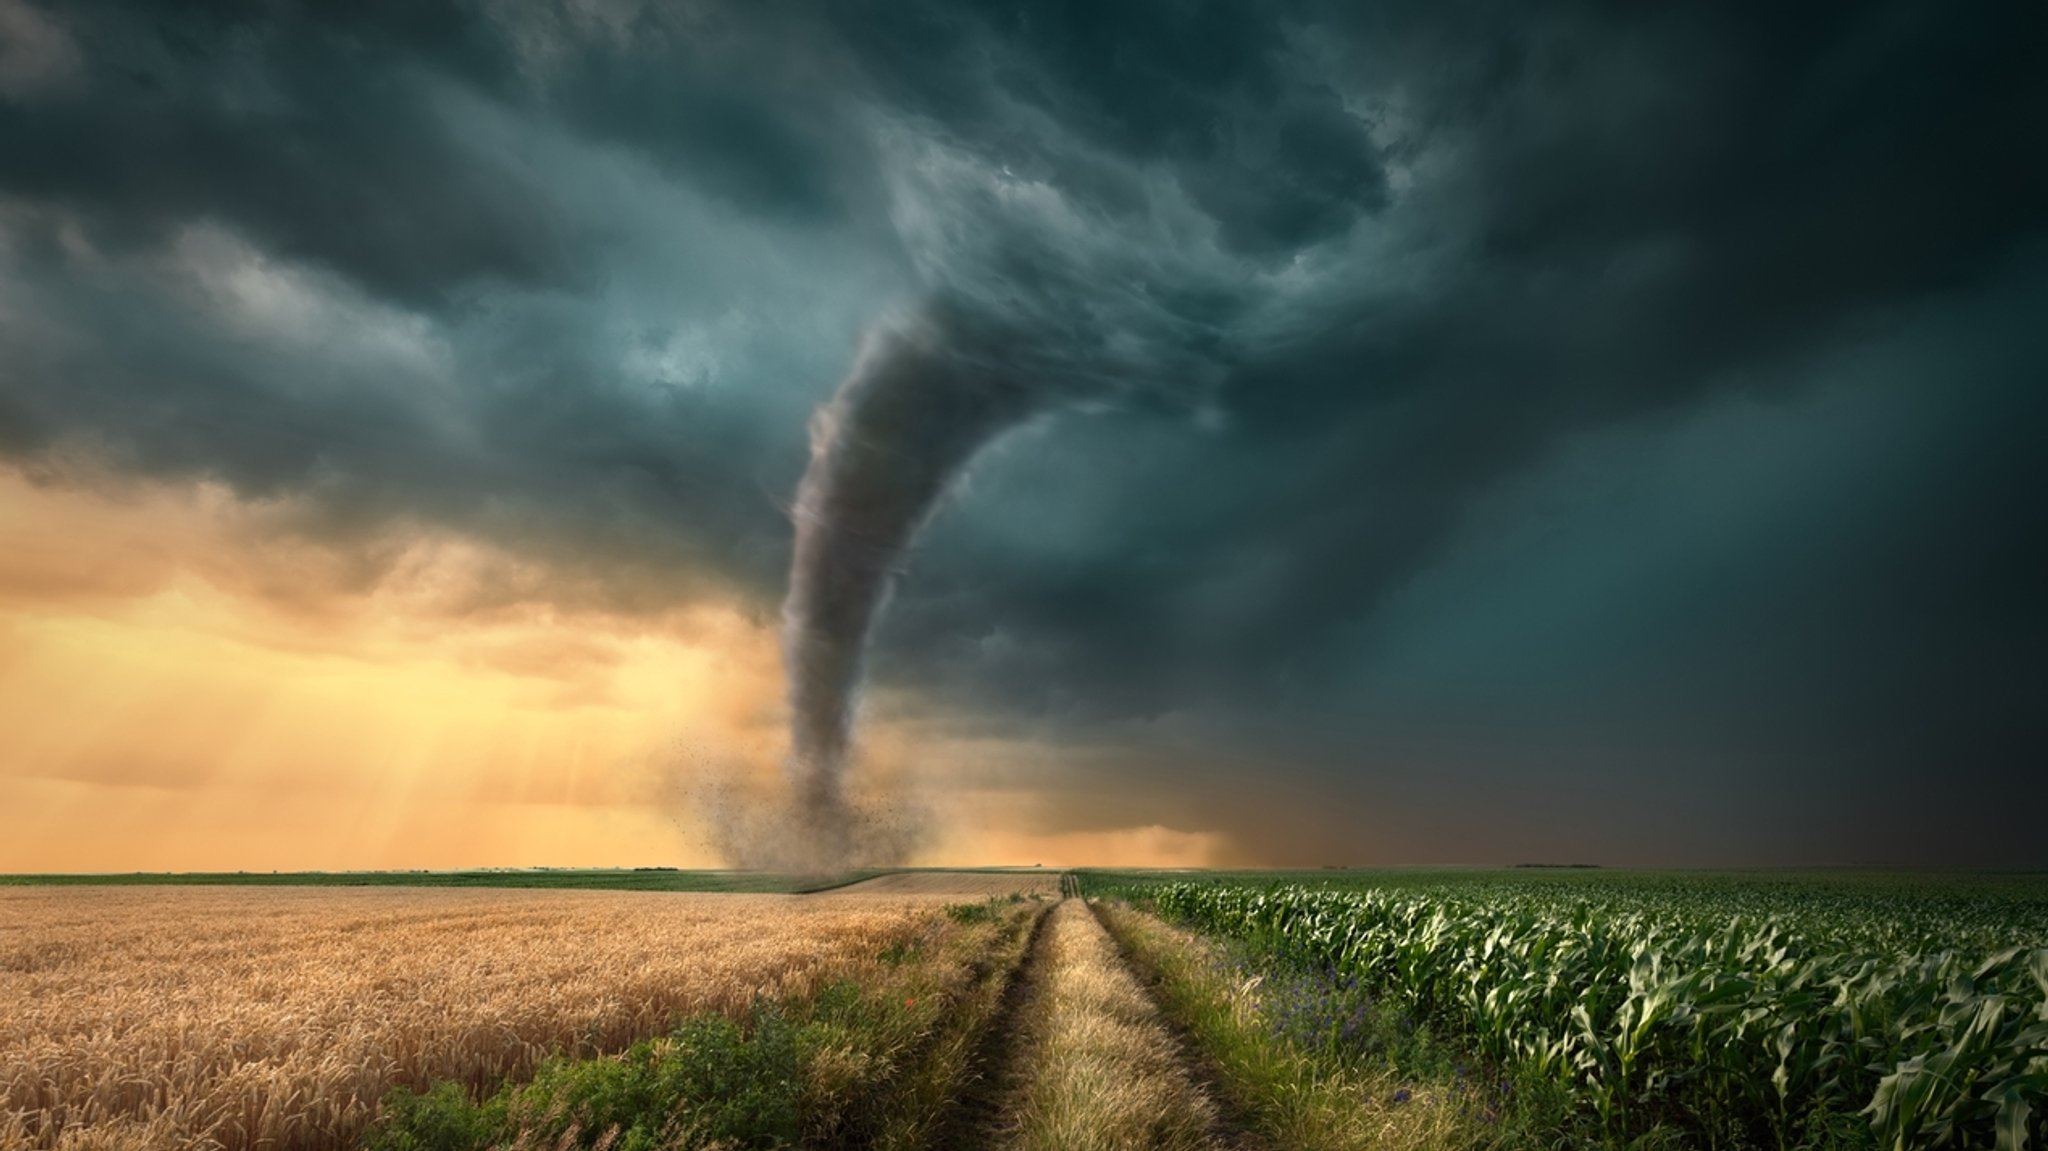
<point x="1471" y="433"/>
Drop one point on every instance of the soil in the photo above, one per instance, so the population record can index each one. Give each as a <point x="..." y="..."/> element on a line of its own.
<point x="956" y="884"/>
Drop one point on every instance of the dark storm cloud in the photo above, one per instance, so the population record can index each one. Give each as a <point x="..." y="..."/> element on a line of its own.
<point x="1607" y="222"/>
<point x="1226" y="96"/>
<point x="1621" y="397"/>
<point x="320" y="142"/>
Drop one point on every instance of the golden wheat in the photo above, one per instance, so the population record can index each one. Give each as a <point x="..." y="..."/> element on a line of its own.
<point x="262" y="1018"/>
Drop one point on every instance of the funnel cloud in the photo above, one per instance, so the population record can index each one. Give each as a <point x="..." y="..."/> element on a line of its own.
<point x="917" y="405"/>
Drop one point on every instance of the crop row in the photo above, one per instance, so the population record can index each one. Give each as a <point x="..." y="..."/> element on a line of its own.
<point x="1885" y="912"/>
<point x="1738" y="1025"/>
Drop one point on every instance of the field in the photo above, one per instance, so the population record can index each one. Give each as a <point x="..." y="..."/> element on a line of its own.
<point x="1763" y="1010"/>
<point x="924" y="1009"/>
<point x="270" y="1017"/>
<point x="956" y="884"/>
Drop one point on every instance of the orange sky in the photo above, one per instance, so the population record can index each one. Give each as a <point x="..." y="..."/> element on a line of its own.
<point x="186" y="684"/>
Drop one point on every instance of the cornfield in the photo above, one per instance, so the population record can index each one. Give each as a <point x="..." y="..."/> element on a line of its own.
<point x="241" y="1018"/>
<point x="1741" y="1017"/>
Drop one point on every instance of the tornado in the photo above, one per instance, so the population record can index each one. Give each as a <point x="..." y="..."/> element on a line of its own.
<point x="925" y="393"/>
<point x="1030" y="304"/>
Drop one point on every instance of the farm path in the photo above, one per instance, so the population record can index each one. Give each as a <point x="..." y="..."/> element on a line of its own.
<point x="1081" y="1058"/>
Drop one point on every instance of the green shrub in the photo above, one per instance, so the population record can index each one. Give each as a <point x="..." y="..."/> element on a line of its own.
<point x="985" y="912"/>
<point x="848" y="1065"/>
<point x="440" y="1119"/>
<point x="713" y="1082"/>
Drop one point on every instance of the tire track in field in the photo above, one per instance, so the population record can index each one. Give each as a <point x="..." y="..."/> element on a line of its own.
<point x="1233" y="1129"/>
<point x="1091" y="1063"/>
<point x="1227" y="1131"/>
<point x="991" y="1074"/>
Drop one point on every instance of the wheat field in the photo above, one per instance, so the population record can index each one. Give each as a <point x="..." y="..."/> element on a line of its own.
<point x="278" y="1018"/>
<point x="951" y="885"/>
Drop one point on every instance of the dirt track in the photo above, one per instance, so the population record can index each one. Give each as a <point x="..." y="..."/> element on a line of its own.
<point x="1079" y="1056"/>
<point x="956" y="884"/>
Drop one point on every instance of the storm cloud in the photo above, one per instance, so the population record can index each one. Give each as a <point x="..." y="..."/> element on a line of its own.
<point x="1596" y="431"/>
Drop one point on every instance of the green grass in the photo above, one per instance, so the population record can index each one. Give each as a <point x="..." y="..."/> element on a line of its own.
<point x="595" y="879"/>
<point x="868" y="1064"/>
<point x="713" y="1082"/>
<point x="1390" y="1086"/>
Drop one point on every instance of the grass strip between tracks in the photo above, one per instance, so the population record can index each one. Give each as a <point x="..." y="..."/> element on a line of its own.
<point x="1099" y="1071"/>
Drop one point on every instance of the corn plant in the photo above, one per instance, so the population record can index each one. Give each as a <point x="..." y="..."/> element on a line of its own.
<point x="1746" y="1016"/>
